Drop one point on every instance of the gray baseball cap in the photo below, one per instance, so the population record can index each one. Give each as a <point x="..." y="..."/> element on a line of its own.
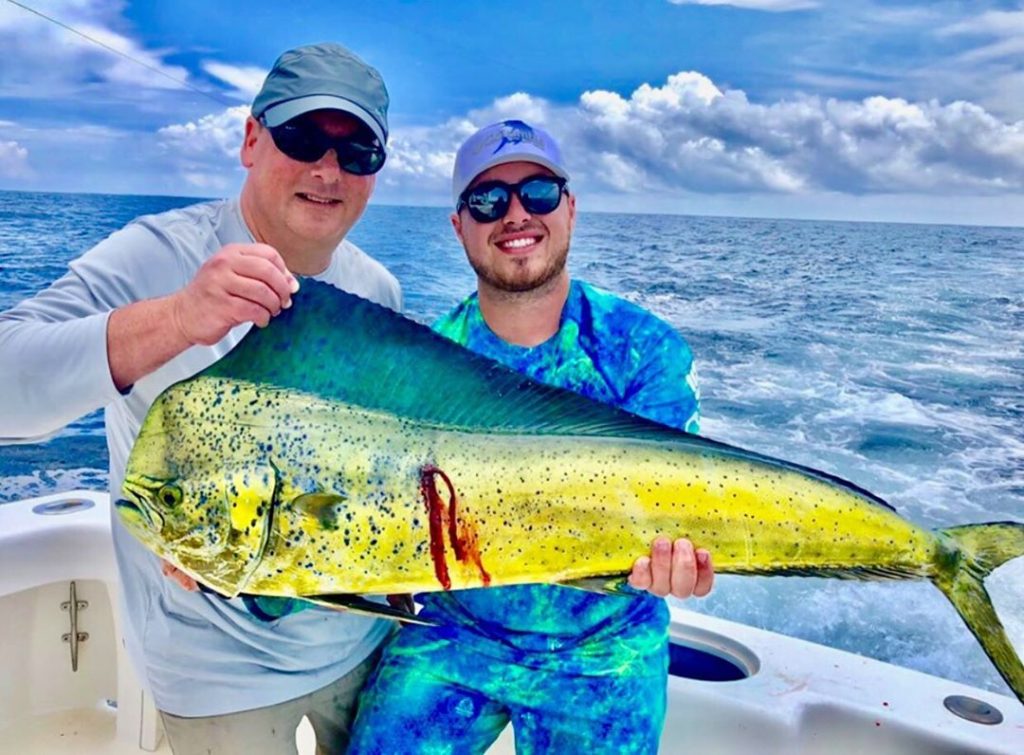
<point x="319" y="77"/>
<point x="500" y="143"/>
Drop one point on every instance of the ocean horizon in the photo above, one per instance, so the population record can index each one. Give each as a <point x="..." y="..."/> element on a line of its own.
<point x="191" y="199"/>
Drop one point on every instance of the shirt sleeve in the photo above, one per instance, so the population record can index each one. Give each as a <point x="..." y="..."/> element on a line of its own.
<point x="664" y="387"/>
<point x="53" y="346"/>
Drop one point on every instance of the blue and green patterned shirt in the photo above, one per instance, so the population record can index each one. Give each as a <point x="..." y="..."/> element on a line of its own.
<point x="618" y="353"/>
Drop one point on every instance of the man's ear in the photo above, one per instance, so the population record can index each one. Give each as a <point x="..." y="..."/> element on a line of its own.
<point x="252" y="132"/>
<point x="572" y="211"/>
<point x="456" y="225"/>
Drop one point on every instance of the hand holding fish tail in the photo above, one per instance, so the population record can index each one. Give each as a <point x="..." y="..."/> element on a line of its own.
<point x="674" y="568"/>
<point x="240" y="283"/>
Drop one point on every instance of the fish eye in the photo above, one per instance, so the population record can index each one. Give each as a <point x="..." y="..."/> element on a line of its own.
<point x="170" y="494"/>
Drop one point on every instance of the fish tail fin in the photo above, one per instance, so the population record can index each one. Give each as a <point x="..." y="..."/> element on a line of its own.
<point x="976" y="550"/>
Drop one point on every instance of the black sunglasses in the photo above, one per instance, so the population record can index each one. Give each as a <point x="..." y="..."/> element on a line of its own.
<point x="489" y="201"/>
<point x="361" y="154"/>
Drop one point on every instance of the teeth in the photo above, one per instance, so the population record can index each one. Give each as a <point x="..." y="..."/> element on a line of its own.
<point x="519" y="243"/>
<point x="319" y="200"/>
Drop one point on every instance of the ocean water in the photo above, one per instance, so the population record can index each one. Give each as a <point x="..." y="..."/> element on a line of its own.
<point x="889" y="354"/>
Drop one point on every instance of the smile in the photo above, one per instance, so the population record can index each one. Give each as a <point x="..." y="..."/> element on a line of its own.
<point x="325" y="201"/>
<point x="519" y="244"/>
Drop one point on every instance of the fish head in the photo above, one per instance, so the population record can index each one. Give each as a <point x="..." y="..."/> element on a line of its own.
<point x="215" y="527"/>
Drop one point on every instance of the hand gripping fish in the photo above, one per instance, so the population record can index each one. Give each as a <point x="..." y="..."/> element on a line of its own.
<point x="345" y="450"/>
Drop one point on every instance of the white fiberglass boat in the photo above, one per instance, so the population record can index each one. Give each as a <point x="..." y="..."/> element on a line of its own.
<point x="66" y="685"/>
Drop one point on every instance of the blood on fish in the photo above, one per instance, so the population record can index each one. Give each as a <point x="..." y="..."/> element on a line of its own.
<point x="435" y="514"/>
<point x="461" y="535"/>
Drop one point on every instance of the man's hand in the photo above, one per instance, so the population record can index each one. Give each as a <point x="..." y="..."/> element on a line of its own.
<point x="173" y="572"/>
<point x="240" y="283"/>
<point x="675" y="569"/>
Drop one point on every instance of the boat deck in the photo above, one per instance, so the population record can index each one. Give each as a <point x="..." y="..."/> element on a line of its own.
<point x="732" y="689"/>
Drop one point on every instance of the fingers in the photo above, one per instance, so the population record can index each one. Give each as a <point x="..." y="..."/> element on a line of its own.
<point x="705" y="574"/>
<point x="178" y="576"/>
<point x="661" y="567"/>
<point x="684" y="568"/>
<point x="675" y="569"/>
<point x="269" y="253"/>
<point x="640" y="577"/>
<point x="252" y="265"/>
<point x="240" y="283"/>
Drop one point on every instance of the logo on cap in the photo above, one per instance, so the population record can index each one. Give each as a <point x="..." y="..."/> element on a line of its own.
<point x="513" y="132"/>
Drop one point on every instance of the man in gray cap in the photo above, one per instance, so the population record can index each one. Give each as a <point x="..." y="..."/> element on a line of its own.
<point x="162" y="299"/>
<point x="573" y="671"/>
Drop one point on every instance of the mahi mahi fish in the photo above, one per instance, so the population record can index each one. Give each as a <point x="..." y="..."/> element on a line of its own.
<point x="345" y="450"/>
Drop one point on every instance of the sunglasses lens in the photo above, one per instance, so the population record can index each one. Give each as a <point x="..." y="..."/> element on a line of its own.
<point x="307" y="143"/>
<point x="488" y="203"/>
<point x="360" y="158"/>
<point x="540" y="195"/>
<point x="299" y="142"/>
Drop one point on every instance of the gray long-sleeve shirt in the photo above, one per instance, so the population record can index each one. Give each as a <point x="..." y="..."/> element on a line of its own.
<point x="201" y="655"/>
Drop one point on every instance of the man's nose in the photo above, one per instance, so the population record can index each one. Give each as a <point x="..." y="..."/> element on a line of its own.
<point x="327" y="168"/>
<point x="516" y="212"/>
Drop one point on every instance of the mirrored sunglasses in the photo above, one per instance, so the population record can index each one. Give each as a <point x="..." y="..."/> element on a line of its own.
<point x="489" y="201"/>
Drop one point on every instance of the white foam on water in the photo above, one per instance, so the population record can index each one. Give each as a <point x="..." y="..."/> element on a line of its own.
<point x="1006" y="588"/>
<point x="50" y="481"/>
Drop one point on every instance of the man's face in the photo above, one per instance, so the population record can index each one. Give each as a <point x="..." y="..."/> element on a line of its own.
<point x="520" y="252"/>
<point x="302" y="205"/>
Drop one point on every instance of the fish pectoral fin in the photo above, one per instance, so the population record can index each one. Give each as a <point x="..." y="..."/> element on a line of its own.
<point x="361" y="605"/>
<point x="321" y="506"/>
<point x="603" y="585"/>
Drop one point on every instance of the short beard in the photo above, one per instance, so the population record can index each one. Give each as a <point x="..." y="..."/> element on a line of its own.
<point x="522" y="281"/>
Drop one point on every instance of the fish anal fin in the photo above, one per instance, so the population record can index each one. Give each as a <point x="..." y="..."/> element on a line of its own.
<point x="615" y="585"/>
<point x="361" y="605"/>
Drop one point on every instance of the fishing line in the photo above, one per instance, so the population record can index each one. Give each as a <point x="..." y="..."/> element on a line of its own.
<point x="124" y="55"/>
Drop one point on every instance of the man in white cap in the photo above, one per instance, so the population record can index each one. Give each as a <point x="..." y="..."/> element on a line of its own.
<point x="572" y="671"/>
<point x="162" y="299"/>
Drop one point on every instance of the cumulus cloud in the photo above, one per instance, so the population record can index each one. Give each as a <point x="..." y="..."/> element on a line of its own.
<point x="422" y="157"/>
<point x="691" y="135"/>
<point x="206" y="150"/>
<point x="13" y="160"/>
<point x="688" y="135"/>
<point x="772" y="6"/>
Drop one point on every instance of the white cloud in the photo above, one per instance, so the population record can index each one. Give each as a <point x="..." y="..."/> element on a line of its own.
<point x="246" y="80"/>
<point x="52" y="61"/>
<point x="218" y="134"/>
<point x="691" y="135"/>
<point x="772" y="6"/>
<point x="206" y="150"/>
<point x="13" y="160"/>
<point x="1004" y="31"/>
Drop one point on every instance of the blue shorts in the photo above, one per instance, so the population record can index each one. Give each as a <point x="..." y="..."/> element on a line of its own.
<point x="432" y="694"/>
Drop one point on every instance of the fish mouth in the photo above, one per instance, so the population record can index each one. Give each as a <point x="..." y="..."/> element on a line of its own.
<point x="132" y="514"/>
<point x="134" y="507"/>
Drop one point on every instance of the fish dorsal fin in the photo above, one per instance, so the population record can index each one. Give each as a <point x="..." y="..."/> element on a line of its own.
<point x="341" y="347"/>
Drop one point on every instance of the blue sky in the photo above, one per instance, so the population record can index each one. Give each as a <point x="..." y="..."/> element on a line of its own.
<point x="840" y="109"/>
